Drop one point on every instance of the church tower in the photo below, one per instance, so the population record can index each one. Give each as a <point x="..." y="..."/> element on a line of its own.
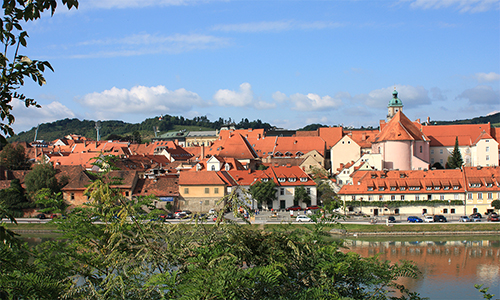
<point x="394" y="106"/>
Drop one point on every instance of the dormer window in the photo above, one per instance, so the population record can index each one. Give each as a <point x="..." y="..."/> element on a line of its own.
<point x="281" y="179"/>
<point x="370" y="188"/>
<point x="393" y="188"/>
<point x="228" y="167"/>
<point x="437" y="188"/>
<point x="403" y="188"/>
<point x="292" y="179"/>
<point x="264" y="179"/>
<point x="303" y="179"/>
<point x="417" y="188"/>
<point x="381" y="188"/>
<point x="446" y="188"/>
<point x="455" y="187"/>
<point x="429" y="188"/>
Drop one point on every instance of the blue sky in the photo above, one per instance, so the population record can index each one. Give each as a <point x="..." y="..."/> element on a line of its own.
<point x="288" y="63"/>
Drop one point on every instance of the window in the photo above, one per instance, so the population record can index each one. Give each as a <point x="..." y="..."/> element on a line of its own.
<point x="381" y="188"/>
<point x="264" y="179"/>
<point x="420" y="149"/>
<point x="72" y="196"/>
<point x="490" y="195"/>
<point x="487" y="149"/>
<point x="452" y="211"/>
<point x="308" y="191"/>
<point x="186" y="190"/>
<point x="370" y="188"/>
<point x="370" y="198"/>
<point x="216" y="190"/>
<point x="437" y="188"/>
<point x="403" y="188"/>
<point x="126" y="194"/>
<point x="417" y="197"/>
<point x="380" y="197"/>
<point x="469" y="196"/>
<point x="293" y="179"/>
<point x="457" y="197"/>
<point x="402" y="197"/>
<point x="282" y="191"/>
<point x="207" y="190"/>
<point x="281" y="179"/>
<point x="303" y="179"/>
<point x="445" y="211"/>
<point x="429" y="188"/>
<point x="479" y="196"/>
<point x="432" y="151"/>
<point x="441" y="197"/>
<point x="440" y="151"/>
<point x="353" y="197"/>
<point x="393" y="197"/>
<point x="393" y="188"/>
<point x="213" y="168"/>
<point x="441" y="161"/>
<point x="487" y="157"/>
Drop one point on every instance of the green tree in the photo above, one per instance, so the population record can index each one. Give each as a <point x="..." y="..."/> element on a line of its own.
<point x="13" y="199"/>
<point x="40" y="177"/>
<point x="495" y="204"/>
<point x="327" y="196"/>
<point x="14" y="66"/>
<point x="50" y="202"/>
<point x="14" y="158"/>
<point x="301" y="195"/>
<point x="455" y="159"/>
<point x="263" y="192"/>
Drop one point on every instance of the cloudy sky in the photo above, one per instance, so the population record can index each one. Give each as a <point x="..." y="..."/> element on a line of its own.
<point x="288" y="63"/>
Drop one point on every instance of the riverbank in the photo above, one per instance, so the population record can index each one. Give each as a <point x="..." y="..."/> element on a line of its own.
<point x="343" y="229"/>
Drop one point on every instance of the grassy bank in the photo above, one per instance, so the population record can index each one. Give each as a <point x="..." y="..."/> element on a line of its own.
<point x="437" y="227"/>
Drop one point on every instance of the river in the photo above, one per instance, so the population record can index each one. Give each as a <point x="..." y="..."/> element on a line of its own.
<point x="450" y="266"/>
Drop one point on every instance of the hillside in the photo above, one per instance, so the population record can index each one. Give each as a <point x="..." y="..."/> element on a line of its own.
<point x="61" y="128"/>
<point x="494" y="120"/>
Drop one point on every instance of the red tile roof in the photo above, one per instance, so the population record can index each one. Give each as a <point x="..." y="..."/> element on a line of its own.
<point x="200" y="178"/>
<point x="161" y="186"/>
<point x="400" y="128"/>
<point x="445" y="135"/>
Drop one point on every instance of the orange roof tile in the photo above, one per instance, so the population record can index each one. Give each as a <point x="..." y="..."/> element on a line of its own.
<point x="200" y="178"/>
<point x="400" y="128"/>
<point x="445" y="135"/>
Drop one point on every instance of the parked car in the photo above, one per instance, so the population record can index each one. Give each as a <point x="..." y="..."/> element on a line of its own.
<point x="391" y="219"/>
<point x="476" y="214"/>
<point x="414" y="219"/>
<point x="212" y="211"/>
<point x="464" y="219"/>
<point x="303" y="218"/>
<point x="440" y="218"/>
<point x="475" y="219"/>
<point x="429" y="219"/>
<point x="312" y="207"/>
<point x="41" y="216"/>
<point x="294" y="208"/>
<point x="493" y="217"/>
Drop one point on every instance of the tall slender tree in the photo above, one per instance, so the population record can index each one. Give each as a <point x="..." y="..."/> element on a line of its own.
<point x="455" y="159"/>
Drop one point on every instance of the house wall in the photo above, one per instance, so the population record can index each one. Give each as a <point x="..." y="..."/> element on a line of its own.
<point x="287" y="193"/>
<point x="397" y="155"/>
<point x="190" y="199"/>
<point x="74" y="198"/>
<point x="344" y="151"/>
<point x="480" y="201"/>
<point x="486" y="153"/>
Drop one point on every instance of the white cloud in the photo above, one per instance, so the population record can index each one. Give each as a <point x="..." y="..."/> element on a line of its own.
<point x="473" y="6"/>
<point x="314" y="102"/>
<point x="140" y="100"/>
<point x="481" y="95"/>
<point x="487" y="77"/>
<point x="410" y="96"/>
<point x="26" y="118"/>
<point x="143" y="44"/>
<point x="276" y="26"/>
<point x="279" y="97"/>
<point x="232" y="98"/>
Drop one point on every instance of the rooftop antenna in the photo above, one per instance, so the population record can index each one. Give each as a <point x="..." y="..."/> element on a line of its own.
<point x="36" y="132"/>
<point x="97" y="127"/>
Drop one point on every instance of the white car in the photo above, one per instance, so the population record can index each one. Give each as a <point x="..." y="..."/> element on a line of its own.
<point x="303" y="218"/>
<point x="429" y="219"/>
<point x="212" y="211"/>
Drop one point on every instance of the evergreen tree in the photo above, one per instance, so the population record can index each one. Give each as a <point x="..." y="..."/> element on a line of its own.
<point x="14" y="158"/>
<point x="455" y="159"/>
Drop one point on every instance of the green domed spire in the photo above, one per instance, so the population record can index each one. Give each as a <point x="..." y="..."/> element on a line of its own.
<point x="395" y="101"/>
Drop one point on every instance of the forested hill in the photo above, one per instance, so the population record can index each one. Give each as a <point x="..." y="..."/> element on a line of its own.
<point x="494" y="119"/>
<point x="61" y="128"/>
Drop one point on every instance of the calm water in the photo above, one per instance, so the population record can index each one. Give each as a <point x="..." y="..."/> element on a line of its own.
<point x="450" y="265"/>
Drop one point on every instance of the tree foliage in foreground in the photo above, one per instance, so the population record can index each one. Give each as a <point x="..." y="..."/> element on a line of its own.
<point x="127" y="258"/>
<point x="14" y="158"/>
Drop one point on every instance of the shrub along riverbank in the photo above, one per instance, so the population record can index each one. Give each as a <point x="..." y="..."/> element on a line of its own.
<point x="349" y="228"/>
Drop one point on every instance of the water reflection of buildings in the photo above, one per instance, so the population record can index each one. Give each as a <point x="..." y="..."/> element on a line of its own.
<point x="478" y="259"/>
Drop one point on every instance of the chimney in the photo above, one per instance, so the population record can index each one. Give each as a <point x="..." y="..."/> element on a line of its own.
<point x="363" y="136"/>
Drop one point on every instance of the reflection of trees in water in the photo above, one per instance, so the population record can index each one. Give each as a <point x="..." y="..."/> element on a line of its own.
<point x="451" y="264"/>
